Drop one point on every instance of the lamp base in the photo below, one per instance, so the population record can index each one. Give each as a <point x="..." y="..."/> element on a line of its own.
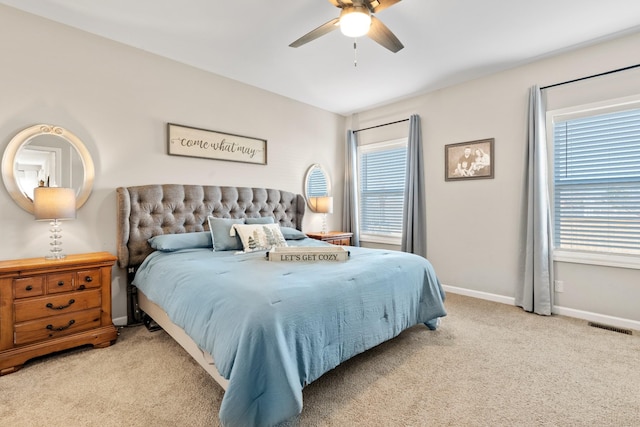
<point x="56" y="242"/>
<point x="324" y="224"/>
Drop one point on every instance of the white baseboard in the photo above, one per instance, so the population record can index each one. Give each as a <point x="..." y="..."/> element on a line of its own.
<point x="598" y="318"/>
<point x="120" y="321"/>
<point x="480" y="295"/>
<point x="563" y="311"/>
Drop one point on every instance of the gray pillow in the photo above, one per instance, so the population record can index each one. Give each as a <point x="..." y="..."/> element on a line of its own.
<point x="292" y="233"/>
<point x="174" y="242"/>
<point x="220" y="228"/>
<point x="260" y="220"/>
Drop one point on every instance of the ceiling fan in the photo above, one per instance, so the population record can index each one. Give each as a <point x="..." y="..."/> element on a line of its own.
<point x="356" y="19"/>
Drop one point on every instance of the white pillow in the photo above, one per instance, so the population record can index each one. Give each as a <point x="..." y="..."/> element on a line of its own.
<point x="259" y="237"/>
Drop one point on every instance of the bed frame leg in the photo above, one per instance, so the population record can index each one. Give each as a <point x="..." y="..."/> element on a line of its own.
<point x="134" y="314"/>
<point x="150" y="324"/>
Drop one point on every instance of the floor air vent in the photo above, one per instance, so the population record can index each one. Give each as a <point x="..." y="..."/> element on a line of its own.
<point x="611" y="328"/>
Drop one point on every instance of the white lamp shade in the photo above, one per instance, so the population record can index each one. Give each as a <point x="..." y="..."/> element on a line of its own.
<point x="54" y="203"/>
<point x="323" y="204"/>
<point x="355" y="21"/>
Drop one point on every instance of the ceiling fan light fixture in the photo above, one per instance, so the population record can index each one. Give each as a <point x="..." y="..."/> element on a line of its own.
<point x="355" y="21"/>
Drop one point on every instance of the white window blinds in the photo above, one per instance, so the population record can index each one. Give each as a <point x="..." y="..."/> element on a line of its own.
<point x="382" y="179"/>
<point x="317" y="184"/>
<point x="597" y="183"/>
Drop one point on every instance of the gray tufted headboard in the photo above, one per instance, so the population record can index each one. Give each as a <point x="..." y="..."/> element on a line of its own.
<point x="149" y="210"/>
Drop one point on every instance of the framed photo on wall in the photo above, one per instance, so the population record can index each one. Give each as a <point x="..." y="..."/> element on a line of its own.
<point x="469" y="160"/>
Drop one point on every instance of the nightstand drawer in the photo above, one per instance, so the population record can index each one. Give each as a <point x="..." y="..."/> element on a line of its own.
<point x="36" y="308"/>
<point x="62" y="282"/>
<point x="25" y="287"/>
<point x="87" y="279"/>
<point x="56" y="326"/>
<point x="341" y="242"/>
<point x="342" y="238"/>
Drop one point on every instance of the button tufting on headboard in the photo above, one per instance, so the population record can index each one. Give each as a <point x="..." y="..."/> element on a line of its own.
<point x="149" y="210"/>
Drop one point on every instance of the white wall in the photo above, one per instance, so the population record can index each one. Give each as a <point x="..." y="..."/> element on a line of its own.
<point x="118" y="100"/>
<point x="474" y="227"/>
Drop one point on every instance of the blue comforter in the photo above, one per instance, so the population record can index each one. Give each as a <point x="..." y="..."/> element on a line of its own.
<point x="273" y="327"/>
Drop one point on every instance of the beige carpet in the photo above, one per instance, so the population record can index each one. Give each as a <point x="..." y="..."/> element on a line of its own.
<point x="488" y="365"/>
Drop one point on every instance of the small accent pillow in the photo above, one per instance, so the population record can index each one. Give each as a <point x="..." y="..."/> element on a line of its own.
<point x="259" y="237"/>
<point x="174" y="242"/>
<point x="261" y="220"/>
<point x="221" y="233"/>
<point x="292" y="233"/>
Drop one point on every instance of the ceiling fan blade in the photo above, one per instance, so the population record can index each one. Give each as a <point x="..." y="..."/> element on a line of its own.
<point x="376" y="6"/>
<point x="318" y="32"/>
<point x="341" y="3"/>
<point x="382" y="35"/>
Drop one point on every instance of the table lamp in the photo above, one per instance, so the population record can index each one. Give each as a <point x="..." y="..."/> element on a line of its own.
<point x="323" y="205"/>
<point x="54" y="204"/>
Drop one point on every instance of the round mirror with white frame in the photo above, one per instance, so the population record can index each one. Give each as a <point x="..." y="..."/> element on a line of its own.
<point x="316" y="183"/>
<point x="46" y="155"/>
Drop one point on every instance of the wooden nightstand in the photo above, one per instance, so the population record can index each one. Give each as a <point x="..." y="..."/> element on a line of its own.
<point x="52" y="305"/>
<point x="341" y="238"/>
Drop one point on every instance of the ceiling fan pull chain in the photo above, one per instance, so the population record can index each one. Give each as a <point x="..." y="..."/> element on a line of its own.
<point x="355" y="53"/>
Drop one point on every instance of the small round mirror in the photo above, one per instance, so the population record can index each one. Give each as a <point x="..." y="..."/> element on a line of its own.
<point x="46" y="155"/>
<point x="316" y="183"/>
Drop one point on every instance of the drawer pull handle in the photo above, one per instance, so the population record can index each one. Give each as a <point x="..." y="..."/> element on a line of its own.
<point x="29" y="288"/>
<point x="88" y="279"/>
<point x="61" y="283"/>
<point x="61" y="307"/>
<point x="61" y="328"/>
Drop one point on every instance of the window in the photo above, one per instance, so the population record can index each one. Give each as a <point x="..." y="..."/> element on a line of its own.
<point x="596" y="180"/>
<point x="381" y="171"/>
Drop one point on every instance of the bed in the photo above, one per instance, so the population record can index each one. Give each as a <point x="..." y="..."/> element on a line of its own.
<point x="263" y="330"/>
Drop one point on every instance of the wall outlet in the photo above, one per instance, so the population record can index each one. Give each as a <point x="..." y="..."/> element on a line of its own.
<point x="558" y="285"/>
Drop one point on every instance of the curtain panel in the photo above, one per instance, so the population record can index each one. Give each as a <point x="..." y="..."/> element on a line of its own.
<point x="414" y="233"/>
<point x="535" y="294"/>
<point x="350" y="202"/>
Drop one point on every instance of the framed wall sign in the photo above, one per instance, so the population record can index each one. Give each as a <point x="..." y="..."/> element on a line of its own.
<point x="209" y="144"/>
<point x="469" y="160"/>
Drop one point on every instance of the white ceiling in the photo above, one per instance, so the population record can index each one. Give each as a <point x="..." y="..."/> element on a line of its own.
<point x="446" y="41"/>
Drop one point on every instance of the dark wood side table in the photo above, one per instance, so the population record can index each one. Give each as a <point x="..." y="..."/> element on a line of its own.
<point x="341" y="238"/>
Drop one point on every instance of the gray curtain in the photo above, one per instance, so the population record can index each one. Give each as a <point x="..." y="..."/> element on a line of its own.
<point x="535" y="294"/>
<point x="350" y="202"/>
<point x="414" y="233"/>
